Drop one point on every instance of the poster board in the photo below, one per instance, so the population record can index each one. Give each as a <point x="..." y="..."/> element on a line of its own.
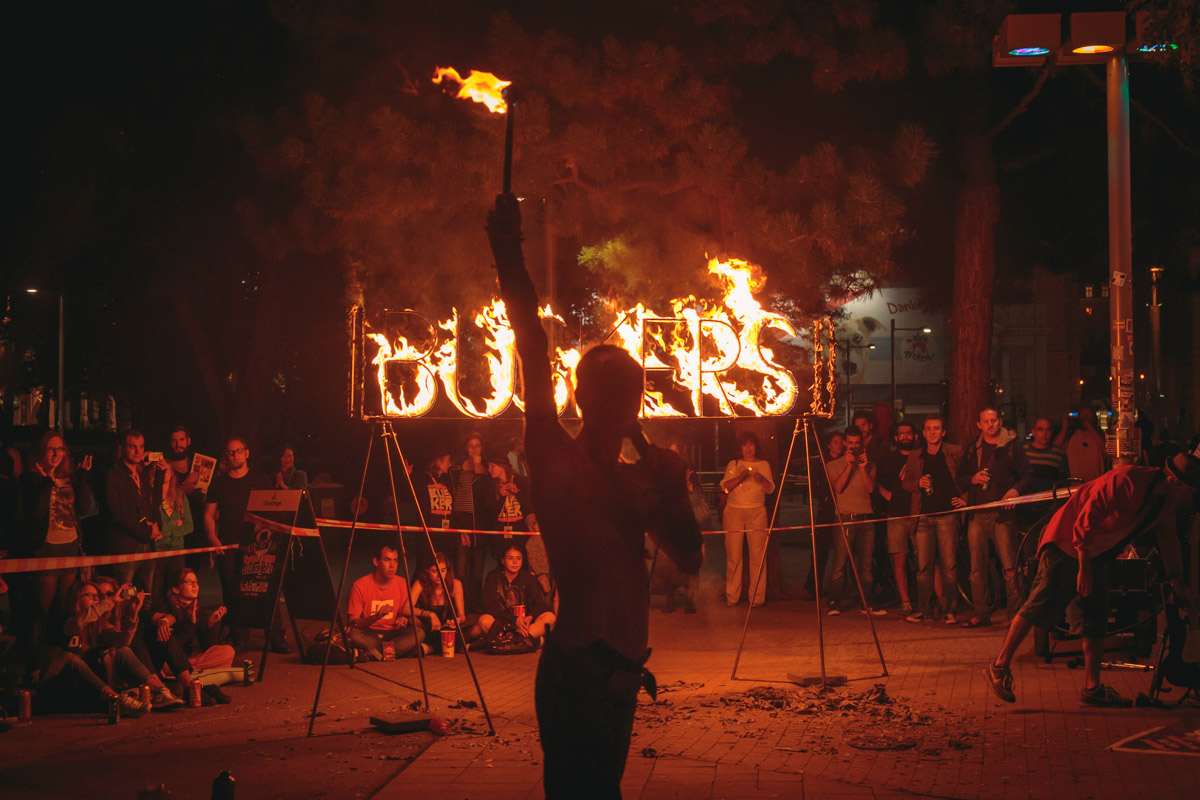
<point x="283" y="557"/>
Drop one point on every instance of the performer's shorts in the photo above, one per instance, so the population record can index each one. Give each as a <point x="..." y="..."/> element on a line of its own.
<point x="1054" y="588"/>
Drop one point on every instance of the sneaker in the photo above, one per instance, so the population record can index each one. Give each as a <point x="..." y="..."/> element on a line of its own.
<point x="906" y="607"/>
<point x="950" y="619"/>
<point x="1000" y="681"/>
<point x="834" y="610"/>
<point x="874" y="612"/>
<point x="216" y="694"/>
<point x="917" y="617"/>
<point x="163" y="700"/>
<point x="1104" y="696"/>
<point x="132" y="707"/>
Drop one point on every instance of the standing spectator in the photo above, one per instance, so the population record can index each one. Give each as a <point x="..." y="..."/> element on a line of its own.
<point x="1080" y="438"/>
<point x="516" y="456"/>
<point x="930" y="475"/>
<point x="899" y="504"/>
<point x="1048" y="469"/>
<point x="225" y="523"/>
<point x="179" y="457"/>
<point x="176" y="523"/>
<point x="378" y="608"/>
<point x="288" y="477"/>
<point x="437" y="502"/>
<point x="54" y="495"/>
<point x="835" y="447"/>
<point x="853" y="480"/>
<point x="508" y="508"/>
<point x="996" y="469"/>
<point x="873" y="446"/>
<point x="132" y="510"/>
<point x="747" y="481"/>
<point x="10" y="476"/>
<point x="471" y="499"/>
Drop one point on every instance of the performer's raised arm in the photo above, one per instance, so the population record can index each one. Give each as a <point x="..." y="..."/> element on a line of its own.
<point x="521" y="304"/>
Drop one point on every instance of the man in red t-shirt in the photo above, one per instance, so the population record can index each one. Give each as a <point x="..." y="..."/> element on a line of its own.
<point x="1075" y="557"/>
<point x="379" y="610"/>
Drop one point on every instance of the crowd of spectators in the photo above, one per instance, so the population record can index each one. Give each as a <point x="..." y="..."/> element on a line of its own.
<point x="82" y="636"/>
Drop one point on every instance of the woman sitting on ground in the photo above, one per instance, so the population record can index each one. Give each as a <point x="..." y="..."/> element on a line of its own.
<point x="183" y="635"/>
<point x="429" y="600"/>
<point x="507" y="587"/>
<point x="95" y="660"/>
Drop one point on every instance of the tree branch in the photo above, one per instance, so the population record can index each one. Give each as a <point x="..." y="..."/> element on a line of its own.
<point x="1174" y="137"/>
<point x="1023" y="105"/>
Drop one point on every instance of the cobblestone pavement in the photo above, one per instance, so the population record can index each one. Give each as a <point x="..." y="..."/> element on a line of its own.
<point x="932" y="729"/>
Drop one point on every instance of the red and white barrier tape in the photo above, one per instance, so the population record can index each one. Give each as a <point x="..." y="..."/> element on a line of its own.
<point x="69" y="562"/>
<point x="1037" y="497"/>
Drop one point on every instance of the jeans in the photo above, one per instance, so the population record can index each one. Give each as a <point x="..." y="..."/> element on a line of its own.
<point x="751" y="524"/>
<point x="985" y="527"/>
<point x="401" y="638"/>
<point x="937" y="538"/>
<point x="861" y="536"/>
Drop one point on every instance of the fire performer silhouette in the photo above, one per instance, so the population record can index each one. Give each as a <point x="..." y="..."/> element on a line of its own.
<point x="593" y="513"/>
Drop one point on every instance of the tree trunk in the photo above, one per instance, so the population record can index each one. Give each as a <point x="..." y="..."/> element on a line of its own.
<point x="974" y="280"/>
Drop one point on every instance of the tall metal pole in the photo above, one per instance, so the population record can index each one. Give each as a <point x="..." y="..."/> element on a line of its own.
<point x="1155" y="339"/>
<point x="60" y="414"/>
<point x="1120" y="259"/>
<point x="892" y="353"/>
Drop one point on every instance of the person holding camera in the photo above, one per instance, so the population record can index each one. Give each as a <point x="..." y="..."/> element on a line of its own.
<point x="852" y="478"/>
<point x="747" y="482"/>
<point x="132" y="510"/>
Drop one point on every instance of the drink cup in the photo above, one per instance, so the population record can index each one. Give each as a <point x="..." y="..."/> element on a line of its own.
<point x="194" y="698"/>
<point x="144" y="694"/>
<point x="519" y="611"/>
<point x="930" y="489"/>
<point x="448" y="642"/>
<point x="24" y="705"/>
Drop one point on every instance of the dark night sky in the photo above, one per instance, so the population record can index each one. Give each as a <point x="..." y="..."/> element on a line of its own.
<point x="125" y="164"/>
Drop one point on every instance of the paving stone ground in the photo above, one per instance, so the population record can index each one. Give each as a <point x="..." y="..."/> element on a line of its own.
<point x="710" y="735"/>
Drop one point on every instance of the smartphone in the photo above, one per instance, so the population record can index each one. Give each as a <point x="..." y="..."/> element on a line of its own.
<point x="152" y="457"/>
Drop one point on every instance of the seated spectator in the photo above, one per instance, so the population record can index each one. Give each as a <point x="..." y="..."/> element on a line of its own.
<point x="95" y="660"/>
<point x="182" y="635"/>
<point x="176" y="522"/>
<point x="379" y="611"/>
<point x="507" y="587"/>
<point x="429" y="598"/>
<point x="288" y="477"/>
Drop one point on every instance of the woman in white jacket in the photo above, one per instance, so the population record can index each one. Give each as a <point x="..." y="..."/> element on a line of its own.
<point x="747" y="483"/>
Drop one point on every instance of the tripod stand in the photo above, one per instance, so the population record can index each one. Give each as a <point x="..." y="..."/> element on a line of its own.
<point x="807" y="423"/>
<point x="390" y="442"/>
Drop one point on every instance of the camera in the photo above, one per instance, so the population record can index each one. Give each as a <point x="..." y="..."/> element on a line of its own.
<point x="152" y="457"/>
<point x="128" y="593"/>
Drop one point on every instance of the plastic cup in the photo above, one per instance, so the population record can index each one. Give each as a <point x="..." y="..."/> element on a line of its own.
<point x="448" y="642"/>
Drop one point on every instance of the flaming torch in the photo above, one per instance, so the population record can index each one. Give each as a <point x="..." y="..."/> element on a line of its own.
<point x="486" y="88"/>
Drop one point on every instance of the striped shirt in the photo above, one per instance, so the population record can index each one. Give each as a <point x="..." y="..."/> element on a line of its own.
<point x="1049" y="466"/>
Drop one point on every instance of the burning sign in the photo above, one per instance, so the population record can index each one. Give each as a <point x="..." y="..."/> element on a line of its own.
<point x="703" y="358"/>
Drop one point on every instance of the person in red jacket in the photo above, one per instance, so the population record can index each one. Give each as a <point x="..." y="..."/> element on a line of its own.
<point x="1076" y="554"/>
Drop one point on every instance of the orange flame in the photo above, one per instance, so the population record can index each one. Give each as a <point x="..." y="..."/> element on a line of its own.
<point x="482" y="87"/>
<point x="692" y="350"/>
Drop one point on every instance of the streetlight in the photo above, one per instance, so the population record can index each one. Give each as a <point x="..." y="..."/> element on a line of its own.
<point x="893" y="355"/>
<point x="849" y="391"/>
<point x="1099" y="38"/>
<point x="57" y="422"/>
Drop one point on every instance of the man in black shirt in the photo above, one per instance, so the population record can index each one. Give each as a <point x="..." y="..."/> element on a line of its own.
<point x="225" y="523"/>
<point x="929" y="474"/>
<point x="899" y="504"/>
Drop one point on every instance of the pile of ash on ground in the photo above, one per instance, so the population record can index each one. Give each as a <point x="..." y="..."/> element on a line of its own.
<point x="823" y="718"/>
